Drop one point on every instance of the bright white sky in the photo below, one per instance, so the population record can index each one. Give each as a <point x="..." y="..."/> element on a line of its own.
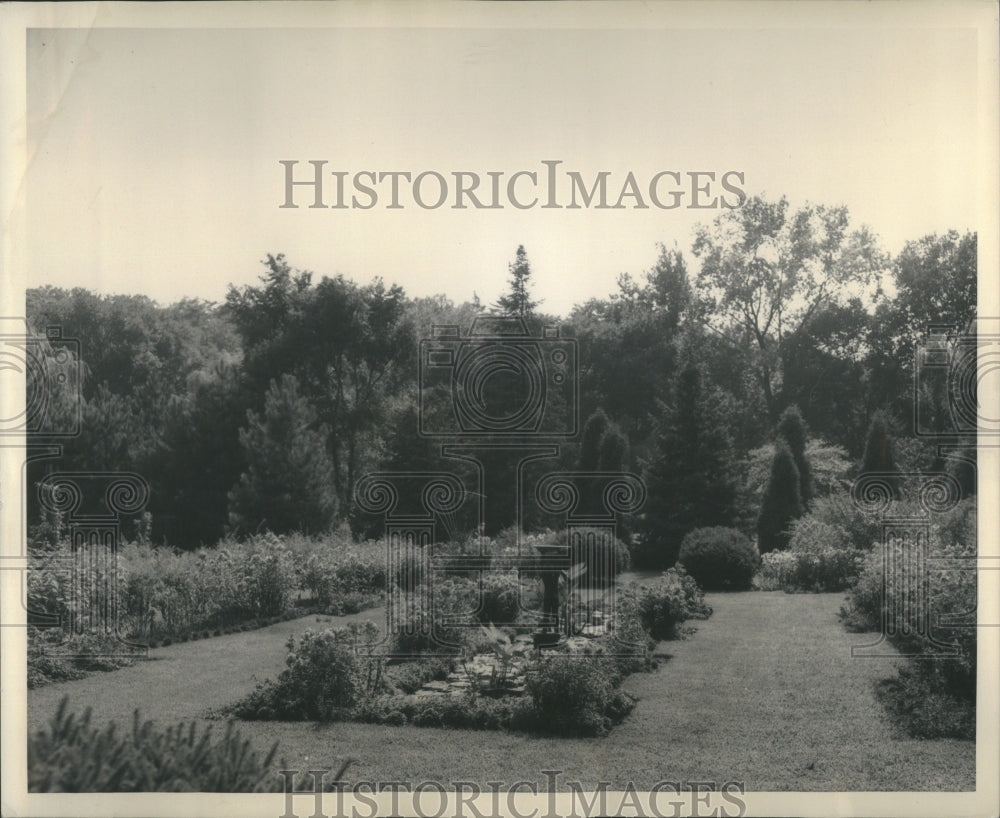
<point x="154" y="153"/>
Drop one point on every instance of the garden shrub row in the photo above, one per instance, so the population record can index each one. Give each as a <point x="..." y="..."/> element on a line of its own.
<point x="818" y="571"/>
<point x="344" y="577"/>
<point x="53" y="658"/>
<point x="167" y="596"/>
<point x="326" y="680"/>
<point x="165" y="593"/>
<point x="935" y="694"/>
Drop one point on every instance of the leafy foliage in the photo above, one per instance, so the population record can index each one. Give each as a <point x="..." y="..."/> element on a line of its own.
<point x="576" y="695"/>
<point x="820" y="571"/>
<point x="784" y="309"/>
<point x="501" y="598"/>
<point x="663" y="606"/>
<point x="335" y="571"/>
<point x="719" y="559"/>
<point x="952" y="592"/>
<point x="325" y="679"/>
<point x="348" y="346"/>
<point x="767" y="271"/>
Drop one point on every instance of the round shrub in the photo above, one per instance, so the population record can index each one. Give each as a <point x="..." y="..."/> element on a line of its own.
<point x="324" y="678"/>
<point x="576" y="695"/>
<point x="669" y="602"/>
<point x="501" y="599"/>
<point x="604" y="558"/>
<point x="421" y="629"/>
<point x="719" y="559"/>
<point x="396" y="718"/>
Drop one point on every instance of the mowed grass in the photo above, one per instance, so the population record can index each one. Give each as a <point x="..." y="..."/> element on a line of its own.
<point x="765" y="693"/>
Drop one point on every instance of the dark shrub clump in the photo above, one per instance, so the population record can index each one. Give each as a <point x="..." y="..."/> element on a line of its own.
<point x="575" y="695"/>
<point x="719" y="559"/>
<point x="325" y="680"/>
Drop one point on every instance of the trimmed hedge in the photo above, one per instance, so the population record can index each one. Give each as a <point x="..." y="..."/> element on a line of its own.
<point x="719" y="559"/>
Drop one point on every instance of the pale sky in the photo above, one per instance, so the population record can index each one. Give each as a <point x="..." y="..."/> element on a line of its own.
<point x="154" y="154"/>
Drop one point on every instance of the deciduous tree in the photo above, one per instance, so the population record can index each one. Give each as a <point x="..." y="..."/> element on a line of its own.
<point x="767" y="271"/>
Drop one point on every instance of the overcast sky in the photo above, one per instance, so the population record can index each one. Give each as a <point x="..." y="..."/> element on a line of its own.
<point x="154" y="154"/>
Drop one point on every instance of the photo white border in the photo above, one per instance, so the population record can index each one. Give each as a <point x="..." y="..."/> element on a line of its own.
<point x="17" y="18"/>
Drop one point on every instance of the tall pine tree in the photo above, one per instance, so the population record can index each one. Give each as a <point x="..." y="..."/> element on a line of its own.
<point x="288" y="483"/>
<point x="691" y="479"/>
<point x="518" y="300"/>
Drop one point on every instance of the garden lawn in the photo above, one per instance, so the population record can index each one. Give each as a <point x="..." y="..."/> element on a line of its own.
<point x="765" y="693"/>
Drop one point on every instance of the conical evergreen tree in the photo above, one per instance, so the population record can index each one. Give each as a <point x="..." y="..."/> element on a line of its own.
<point x="878" y="451"/>
<point x="782" y="503"/>
<point x="288" y="483"/>
<point x="792" y="429"/>
<point x="691" y="479"/>
<point x="518" y="300"/>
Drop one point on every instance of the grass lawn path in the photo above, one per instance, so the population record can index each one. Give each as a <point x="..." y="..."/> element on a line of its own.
<point x="765" y="692"/>
<point x="184" y="680"/>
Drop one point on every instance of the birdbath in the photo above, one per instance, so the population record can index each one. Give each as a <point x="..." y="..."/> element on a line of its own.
<point x="549" y="635"/>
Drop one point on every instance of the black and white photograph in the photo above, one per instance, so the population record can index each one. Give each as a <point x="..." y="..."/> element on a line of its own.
<point x="532" y="410"/>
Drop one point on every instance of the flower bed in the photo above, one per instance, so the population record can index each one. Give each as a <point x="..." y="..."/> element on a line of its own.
<point x="499" y="680"/>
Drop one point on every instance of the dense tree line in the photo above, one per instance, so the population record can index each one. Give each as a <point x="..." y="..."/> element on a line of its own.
<point x="264" y="411"/>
